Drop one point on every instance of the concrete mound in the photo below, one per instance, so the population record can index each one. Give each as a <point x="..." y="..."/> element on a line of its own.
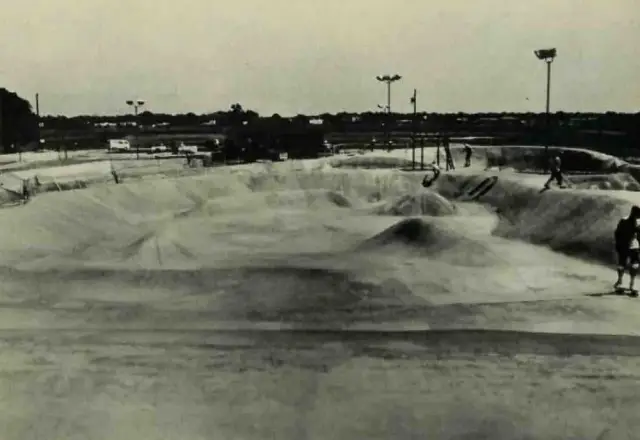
<point x="438" y="241"/>
<point x="307" y="198"/>
<point x="9" y="197"/>
<point x="62" y="186"/>
<point x="578" y="223"/>
<point x="425" y="203"/>
<point x="574" y="159"/>
<point x="370" y="162"/>
<point x="616" y="182"/>
<point x="369" y="186"/>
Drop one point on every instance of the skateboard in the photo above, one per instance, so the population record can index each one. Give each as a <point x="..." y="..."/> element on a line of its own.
<point x="626" y="291"/>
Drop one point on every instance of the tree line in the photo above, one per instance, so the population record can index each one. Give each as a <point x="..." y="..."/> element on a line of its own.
<point x="19" y="125"/>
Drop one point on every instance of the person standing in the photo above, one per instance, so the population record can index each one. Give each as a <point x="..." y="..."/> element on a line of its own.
<point x="467" y="155"/>
<point x="26" y="193"/>
<point x="627" y="247"/>
<point x="114" y="173"/>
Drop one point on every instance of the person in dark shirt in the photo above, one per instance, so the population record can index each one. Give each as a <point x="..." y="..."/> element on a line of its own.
<point x="467" y="155"/>
<point x="556" y="173"/>
<point x="428" y="180"/>
<point x="628" y="248"/>
<point x="26" y="193"/>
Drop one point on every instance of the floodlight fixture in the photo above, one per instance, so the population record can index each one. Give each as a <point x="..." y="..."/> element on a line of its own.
<point x="546" y="55"/>
<point x="388" y="79"/>
<point x="137" y="103"/>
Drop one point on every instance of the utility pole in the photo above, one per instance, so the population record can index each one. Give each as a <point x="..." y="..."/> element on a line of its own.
<point x="414" y="101"/>
<point x="422" y="141"/>
<point x="1" y="121"/>
<point x="38" y="120"/>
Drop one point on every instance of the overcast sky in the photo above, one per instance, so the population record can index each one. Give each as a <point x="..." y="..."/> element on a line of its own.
<point x="314" y="56"/>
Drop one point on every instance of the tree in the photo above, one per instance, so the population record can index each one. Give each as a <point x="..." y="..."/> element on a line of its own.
<point x="300" y="120"/>
<point x="236" y="115"/>
<point x="18" y="122"/>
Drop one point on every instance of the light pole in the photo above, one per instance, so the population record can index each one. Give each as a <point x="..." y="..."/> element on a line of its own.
<point x="1" y="119"/>
<point x="414" y="101"/>
<point x="388" y="79"/>
<point x="384" y="123"/>
<point x="547" y="55"/>
<point x="38" y="118"/>
<point x="136" y="104"/>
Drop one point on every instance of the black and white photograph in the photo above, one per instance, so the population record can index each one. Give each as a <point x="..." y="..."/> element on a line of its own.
<point x="320" y="220"/>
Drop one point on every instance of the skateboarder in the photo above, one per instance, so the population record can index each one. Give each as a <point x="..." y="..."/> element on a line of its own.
<point x="628" y="248"/>
<point x="556" y="172"/>
<point x="114" y="173"/>
<point x="427" y="182"/>
<point x="26" y="194"/>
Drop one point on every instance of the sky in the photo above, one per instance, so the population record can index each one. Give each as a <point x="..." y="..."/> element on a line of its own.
<point x="316" y="56"/>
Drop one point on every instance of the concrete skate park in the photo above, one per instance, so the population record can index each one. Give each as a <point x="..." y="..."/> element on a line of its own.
<point x="329" y="298"/>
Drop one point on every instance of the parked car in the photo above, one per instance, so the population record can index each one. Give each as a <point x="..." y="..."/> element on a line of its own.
<point x="158" y="149"/>
<point x="119" y="145"/>
<point x="183" y="149"/>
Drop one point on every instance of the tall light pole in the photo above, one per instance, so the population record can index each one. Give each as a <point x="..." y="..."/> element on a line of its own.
<point x="388" y="79"/>
<point x="136" y="104"/>
<point x="383" y="109"/>
<point x="1" y="120"/>
<point x="414" y="101"/>
<point x="547" y="55"/>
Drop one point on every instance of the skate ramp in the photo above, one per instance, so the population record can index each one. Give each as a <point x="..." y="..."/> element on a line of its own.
<point x="576" y="222"/>
<point x="371" y="161"/>
<point x="9" y="197"/>
<point x="440" y="242"/>
<point x="615" y="182"/>
<point x="514" y="157"/>
<point x="329" y="220"/>
<point x="423" y="203"/>
<point x="532" y="158"/>
<point x="245" y="219"/>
